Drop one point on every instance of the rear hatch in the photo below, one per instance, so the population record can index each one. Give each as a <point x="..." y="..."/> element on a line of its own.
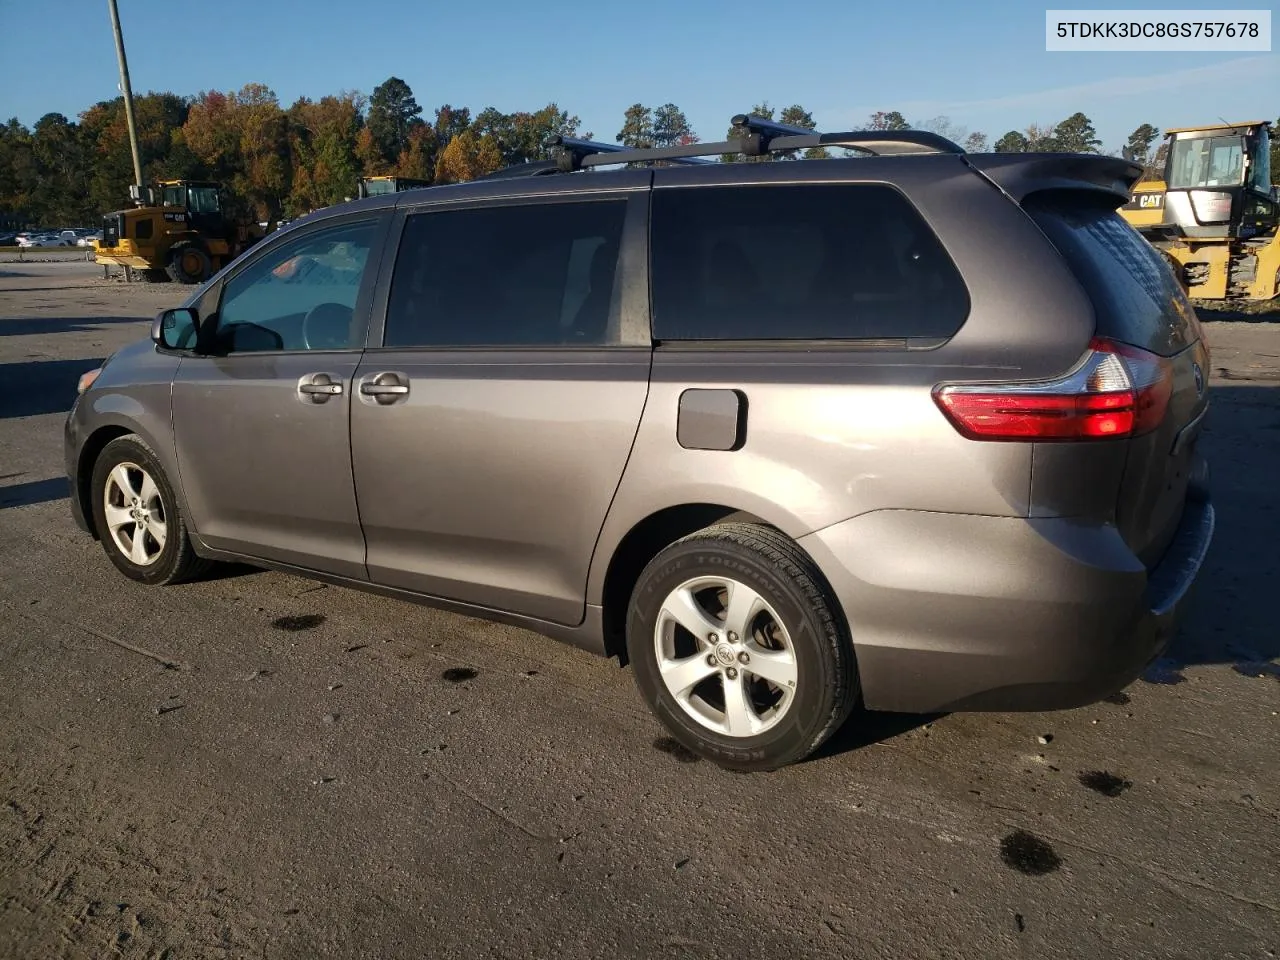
<point x="1139" y="303"/>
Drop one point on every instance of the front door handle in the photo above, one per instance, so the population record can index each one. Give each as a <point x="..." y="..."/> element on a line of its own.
<point x="319" y="387"/>
<point x="385" y="387"/>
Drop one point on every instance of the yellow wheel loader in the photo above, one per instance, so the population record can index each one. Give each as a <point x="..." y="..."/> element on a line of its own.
<point x="1215" y="215"/>
<point x="177" y="232"/>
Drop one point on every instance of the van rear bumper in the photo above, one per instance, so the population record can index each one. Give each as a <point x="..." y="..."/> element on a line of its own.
<point x="952" y="612"/>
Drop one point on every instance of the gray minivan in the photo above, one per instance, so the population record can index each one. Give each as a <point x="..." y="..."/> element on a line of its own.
<point x="915" y="429"/>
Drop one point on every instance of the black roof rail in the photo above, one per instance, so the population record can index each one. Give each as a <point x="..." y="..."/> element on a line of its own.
<point x="752" y="136"/>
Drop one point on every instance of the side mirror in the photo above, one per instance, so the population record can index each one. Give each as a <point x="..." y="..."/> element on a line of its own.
<point x="175" y="329"/>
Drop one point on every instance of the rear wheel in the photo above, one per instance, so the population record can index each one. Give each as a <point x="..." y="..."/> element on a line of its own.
<point x="136" y="514"/>
<point x="189" y="264"/>
<point x="738" y="647"/>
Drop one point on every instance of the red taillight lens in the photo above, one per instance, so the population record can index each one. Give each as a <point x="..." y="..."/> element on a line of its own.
<point x="1115" y="391"/>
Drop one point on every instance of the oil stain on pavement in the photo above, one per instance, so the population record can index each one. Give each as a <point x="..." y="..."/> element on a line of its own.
<point x="307" y="621"/>
<point x="1027" y="853"/>
<point x="1107" y="784"/>
<point x="459" y="674"/>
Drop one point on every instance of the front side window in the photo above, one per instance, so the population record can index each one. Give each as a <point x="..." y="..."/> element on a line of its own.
<point x="300" y="295"/>
<point x="524" y="275"/>
<point x="203" y="200"/>
<point x="799" y="262"/>
<point x="1207" y="162"/>
<point x="175" y="196"/>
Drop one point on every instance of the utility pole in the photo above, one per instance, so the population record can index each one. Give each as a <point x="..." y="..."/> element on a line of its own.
<point x="128" y="94"/>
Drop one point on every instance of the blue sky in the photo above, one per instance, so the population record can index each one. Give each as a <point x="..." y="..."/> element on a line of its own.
<point x="983" y="67"/>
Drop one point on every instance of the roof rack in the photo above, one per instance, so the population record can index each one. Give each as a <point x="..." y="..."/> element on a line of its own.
<point x="751" y="136"/>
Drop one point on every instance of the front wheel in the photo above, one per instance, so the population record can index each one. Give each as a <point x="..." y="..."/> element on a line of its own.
<point x="136" y="514"/>
<point x="739" y="649"/>
<point x="189" y="264"/>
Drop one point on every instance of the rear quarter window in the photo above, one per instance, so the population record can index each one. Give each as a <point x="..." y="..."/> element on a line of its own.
<point x="1134" y="292"/>
<point x="799" y="262"/>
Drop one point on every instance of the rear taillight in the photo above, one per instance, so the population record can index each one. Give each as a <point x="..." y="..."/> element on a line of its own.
<point x="1115" y="391"/>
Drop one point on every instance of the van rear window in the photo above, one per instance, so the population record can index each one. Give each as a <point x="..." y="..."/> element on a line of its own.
<point x="799" y="262"/>
<point x="1137" y="299"/>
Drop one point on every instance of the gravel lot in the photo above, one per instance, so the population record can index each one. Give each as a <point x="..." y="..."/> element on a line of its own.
<point x="260" y="766"/>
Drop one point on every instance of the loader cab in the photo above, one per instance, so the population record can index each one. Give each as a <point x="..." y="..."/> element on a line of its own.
<point x="1218" y="182"/>
<point x="380" y="186"/>
<point x="200" y="201"/>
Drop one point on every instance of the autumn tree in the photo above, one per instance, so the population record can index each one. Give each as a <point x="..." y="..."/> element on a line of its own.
<point x="450" y="122"/>
<point x="417" y="161"/>
<point x="1076" y="135"/>
<point x="393" y="112"/>
<point x="323" y="137"/>
<point x="524" y="136"/>
<point x="160" y="120"/>
<point x="467" y="157"/>
<point x="1012" y="142"/>
<point x="243" y="139"/>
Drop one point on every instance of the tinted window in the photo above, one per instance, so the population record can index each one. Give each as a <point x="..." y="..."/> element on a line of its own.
<point x="799" y="262"/>
<point x="1133" y="290"/>
<point x="299" y="295"/>
<point x="527" y="275"/>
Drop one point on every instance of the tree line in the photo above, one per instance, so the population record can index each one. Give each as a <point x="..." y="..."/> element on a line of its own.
<point x="279" y="162"/>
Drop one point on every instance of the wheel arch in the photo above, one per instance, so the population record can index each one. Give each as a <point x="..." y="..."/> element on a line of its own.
<point x="103" y="433"/>
<point x="640" y="544"/>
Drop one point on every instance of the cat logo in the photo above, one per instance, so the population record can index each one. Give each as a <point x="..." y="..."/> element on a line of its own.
<point x="1146" y="201"/>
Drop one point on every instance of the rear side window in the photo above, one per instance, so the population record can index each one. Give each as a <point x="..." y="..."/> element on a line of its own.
<point x="799" y="262"/>
<point x="524" y="275"/>
<point x="1134" y="292"/>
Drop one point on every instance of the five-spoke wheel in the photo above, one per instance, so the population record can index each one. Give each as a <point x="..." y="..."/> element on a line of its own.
<point x="137" y="516"/>
<point x="738" y="646"/>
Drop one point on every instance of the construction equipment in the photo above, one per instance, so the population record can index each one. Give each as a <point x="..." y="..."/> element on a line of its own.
<point x="1215" y="215"/>
<point x="177" y="232"/>
<point x="377" y="186"/>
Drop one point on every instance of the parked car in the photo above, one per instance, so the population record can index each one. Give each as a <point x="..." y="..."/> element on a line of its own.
<point x="916" y="432"/>
<point x="89" y="238"/>
<point x="41" y="240"/>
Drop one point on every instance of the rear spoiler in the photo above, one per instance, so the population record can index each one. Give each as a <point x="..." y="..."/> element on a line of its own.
<point x="1021" y="174"/>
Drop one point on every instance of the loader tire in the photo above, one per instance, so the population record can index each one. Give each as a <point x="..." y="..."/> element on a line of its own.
<point x="189" y="264"/>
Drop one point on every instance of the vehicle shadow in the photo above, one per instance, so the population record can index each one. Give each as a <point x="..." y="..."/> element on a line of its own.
<point x="866" y="727"/>
<point x="43" y="326"/>
<point x="1230" y="619"/>
<point x="31" y="388"/>
<point x="34" y="491"/>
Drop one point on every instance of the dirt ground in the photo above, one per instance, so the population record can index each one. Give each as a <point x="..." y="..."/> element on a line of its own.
<point x="260" y="766"/>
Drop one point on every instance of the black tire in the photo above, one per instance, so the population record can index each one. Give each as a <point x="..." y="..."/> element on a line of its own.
<point x="826" y="686"/>
<point x="176" y="560"/>
<point x="189" y="264"/>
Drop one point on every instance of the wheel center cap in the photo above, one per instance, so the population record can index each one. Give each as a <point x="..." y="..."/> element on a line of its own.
<point x="725" y="654"/>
